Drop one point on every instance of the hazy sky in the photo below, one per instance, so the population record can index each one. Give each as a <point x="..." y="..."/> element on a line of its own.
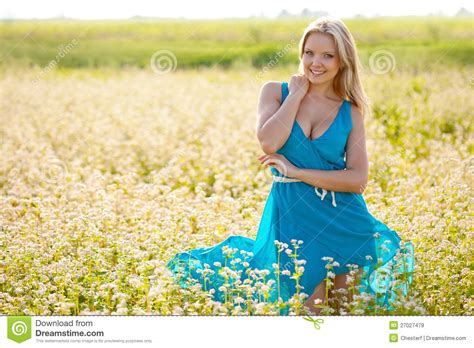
<point x="96" y="9"/>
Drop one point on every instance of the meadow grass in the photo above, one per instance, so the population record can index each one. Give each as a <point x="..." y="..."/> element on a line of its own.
<point x="225" y="43"/>
<point x="106" y="174"/>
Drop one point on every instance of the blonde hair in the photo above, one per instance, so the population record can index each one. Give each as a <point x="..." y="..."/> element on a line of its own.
<point x="347" y="83"/>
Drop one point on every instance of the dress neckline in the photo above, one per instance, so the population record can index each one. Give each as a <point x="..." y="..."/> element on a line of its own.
<point x="327" y="130"/>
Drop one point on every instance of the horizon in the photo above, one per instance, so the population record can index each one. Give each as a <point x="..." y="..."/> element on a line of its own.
<point x="206" y="10"/>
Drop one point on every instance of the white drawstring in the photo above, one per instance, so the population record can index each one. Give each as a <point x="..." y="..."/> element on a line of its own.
<point x="333" y="195"/>
<point x="284" y="179"/>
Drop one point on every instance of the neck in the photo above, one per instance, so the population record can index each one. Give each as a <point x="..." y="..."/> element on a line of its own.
<point x="322" y="90"/>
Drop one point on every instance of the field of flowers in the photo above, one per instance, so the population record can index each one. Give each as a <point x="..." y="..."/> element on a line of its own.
<point x="105" y="175"/>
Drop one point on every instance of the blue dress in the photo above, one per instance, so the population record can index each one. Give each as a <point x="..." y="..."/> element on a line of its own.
<point x="334" y="227"/>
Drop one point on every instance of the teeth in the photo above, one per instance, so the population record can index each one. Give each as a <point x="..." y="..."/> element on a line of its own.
<point x="317" y="72"/>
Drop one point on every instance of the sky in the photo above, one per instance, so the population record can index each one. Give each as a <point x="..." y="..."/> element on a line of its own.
<point x="208" y="9"/>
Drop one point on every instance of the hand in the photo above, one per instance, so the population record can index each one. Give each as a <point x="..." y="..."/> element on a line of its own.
<point x="279" y="162"/>
<point x="298" y="85"/>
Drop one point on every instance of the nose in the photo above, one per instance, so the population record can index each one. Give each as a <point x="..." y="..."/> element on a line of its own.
<point x="317" y="61"/>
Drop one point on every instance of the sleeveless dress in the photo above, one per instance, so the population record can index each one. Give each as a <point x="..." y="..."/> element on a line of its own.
<point x="335" y="228"/>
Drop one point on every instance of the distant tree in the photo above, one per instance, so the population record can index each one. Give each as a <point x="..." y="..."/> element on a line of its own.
<point x="284" y="13"/>
<point x="463" y="12"/>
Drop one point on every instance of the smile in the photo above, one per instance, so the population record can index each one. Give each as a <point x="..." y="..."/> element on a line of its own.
<point x="317" y="73"/>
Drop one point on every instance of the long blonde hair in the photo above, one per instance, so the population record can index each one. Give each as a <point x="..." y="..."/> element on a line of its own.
<point x="347" y="83"/>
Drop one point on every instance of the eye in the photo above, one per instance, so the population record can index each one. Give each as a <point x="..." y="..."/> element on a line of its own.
<point x="327" y="55"/>
<point x="309" y="52"/>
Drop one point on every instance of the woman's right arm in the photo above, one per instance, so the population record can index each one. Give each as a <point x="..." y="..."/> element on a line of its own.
<point x="275" y="120"/>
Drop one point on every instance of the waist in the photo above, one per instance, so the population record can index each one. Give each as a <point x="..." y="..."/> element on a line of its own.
<point x="284" y="179"/>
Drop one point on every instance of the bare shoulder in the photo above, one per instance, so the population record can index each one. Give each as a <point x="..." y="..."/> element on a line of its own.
<point x="269" y="101"/>
<point x="271" y="90"/>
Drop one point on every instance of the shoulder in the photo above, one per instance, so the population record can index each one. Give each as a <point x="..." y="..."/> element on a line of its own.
<point x="356" y="114"/>
<point x="271" y="89"/>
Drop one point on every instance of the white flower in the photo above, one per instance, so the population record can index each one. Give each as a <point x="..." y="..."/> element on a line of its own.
<point x="286" y="272"/>
<point x="122" y="311"/>
<point x="331" y="275"/>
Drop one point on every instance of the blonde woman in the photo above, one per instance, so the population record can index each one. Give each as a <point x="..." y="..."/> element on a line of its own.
<point x="312" y="133"/>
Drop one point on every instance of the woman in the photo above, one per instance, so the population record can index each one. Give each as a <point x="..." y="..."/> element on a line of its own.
<point x="312" y="133"/>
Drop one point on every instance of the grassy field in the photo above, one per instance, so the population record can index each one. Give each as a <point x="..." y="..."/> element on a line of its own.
<point x="107" y="173"/>
<point x="415" y="42"/>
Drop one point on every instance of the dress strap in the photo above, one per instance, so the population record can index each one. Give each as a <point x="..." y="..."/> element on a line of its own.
<point x="284" y="91"/>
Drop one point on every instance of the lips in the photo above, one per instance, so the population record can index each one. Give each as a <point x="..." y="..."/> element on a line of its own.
<point x="317" y="73"/>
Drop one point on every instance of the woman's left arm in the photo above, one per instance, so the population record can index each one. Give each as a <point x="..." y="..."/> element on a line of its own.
<point x="354" y="178"/>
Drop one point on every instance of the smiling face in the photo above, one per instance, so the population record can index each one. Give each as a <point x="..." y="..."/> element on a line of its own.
<point x="320" y="59"/>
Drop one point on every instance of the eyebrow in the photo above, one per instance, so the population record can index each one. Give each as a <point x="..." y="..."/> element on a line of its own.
<point x="309" y="49"/>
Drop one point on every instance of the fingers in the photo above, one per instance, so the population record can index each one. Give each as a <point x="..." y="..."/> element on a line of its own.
<point x="266" y="157"/>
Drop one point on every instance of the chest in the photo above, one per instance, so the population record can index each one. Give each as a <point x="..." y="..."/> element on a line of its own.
<point x="316" y="118"/>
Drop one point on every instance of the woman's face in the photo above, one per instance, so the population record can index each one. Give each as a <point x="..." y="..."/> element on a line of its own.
<point x="320" y="58"/>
